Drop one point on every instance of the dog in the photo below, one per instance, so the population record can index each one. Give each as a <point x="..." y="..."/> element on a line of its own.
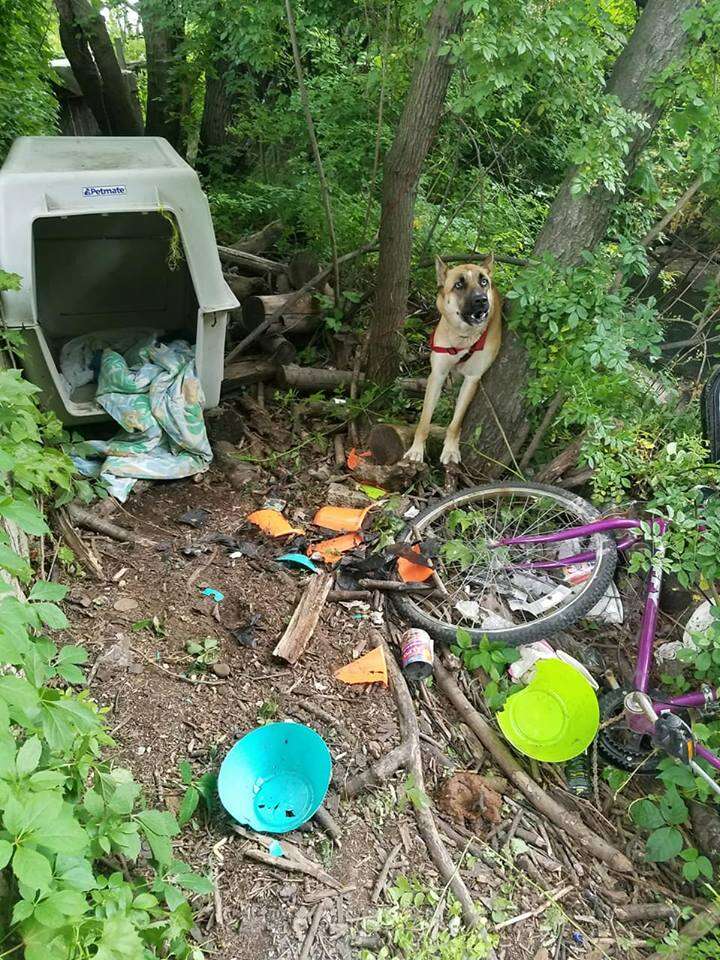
<point x="466" y="340"/>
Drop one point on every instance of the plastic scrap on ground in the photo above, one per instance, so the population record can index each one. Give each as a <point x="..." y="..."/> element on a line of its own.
<point x="410" y="572"/>
<point x="355" y="458"/>
<point x="299" y="559"/>
<point x="273" y="523"/>
<point x="215" y="594"/>
<point x="152" y="390"/>
<point x="375" y="493"/>
<point x="342" y="519"/>
<point x="330" y="551"/>
<point x="370" y="668"/>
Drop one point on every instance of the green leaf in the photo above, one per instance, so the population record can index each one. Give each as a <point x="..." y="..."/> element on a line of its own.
<point x="32" y="868"/>
<point x="194" y="882"/>
<point x="22" y="910"/>
<point x="43" y="590"/>
<point x="75" y="872"/>
<point x="51" y="615"/>
<point x="188" y="806"/>
<point x="673" y="807"/>
<point x="28" y="756"/>
<point x="185" y="772"/>
<point x="15" y="564"/>
<point x="663" y="844"/>
<point x="25" y="514"/>
<point x="144" y="901"/>
<point x="160" y="822"/>
<point x="174" y="898"/>
<point x="21" y="696"/>
<point x="63" y="834"/>
<point x="6" y="851"/>
<point x="646" y="814"/>
<point x="72" y="654"/>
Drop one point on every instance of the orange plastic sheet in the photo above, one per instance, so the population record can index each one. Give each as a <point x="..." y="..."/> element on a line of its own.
<point x="342" y="519"/>
<point x="410" y="572"/>
<point x="273" y="523"/>
<point x="355" y="458"/>
<point x="370" y="668"/>
<point x="330" y="551"/>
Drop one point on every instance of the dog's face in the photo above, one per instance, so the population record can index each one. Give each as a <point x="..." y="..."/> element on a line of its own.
<point x="466" y="294"/>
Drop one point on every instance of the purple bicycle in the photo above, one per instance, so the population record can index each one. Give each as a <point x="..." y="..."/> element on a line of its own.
<point x="518" y="562"/>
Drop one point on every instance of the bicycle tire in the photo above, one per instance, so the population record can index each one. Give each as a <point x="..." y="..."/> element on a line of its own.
<point x="710" y="415"/>
<point x="522" y="633"/>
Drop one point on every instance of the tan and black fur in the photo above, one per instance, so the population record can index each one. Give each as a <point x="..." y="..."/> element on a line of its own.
<point x="469" y="303"/>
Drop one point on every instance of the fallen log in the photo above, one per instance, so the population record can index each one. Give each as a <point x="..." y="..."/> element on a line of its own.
<point x="560" y="464"/>
<point x="310" y="379"/>
<point x="390" y="441"/>
<point x="304" y="620"/>
<point x="244" y="287"/>
<point x="301" y="316"/>
<point x="85" y="518"/>
<point x="261" y="240"/>
<point x="700" y="926"/>
<point x="253" y="370"/>
<point x="250" y="262"/>
<point x="562" y="818"/>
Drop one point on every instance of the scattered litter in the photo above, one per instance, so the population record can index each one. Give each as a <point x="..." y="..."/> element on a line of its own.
<point x="342" y="519"/>
<point x="192" y="551"/>
<point x="468" y="609"/>
<point x="275" y="849"/>
<point x="467" y="797"/>
<point x="195" y="518"/>
<point x="609" y="607"/>
<point x="417" y="651"/>
<point x="215" y="594"/>
<point x="245" y="633"/>
<point x="370" y="668"/>
<point x="116" y="659"/>
<point x="273" y="503"/>
<point x="375" y="493"/>
<point x="410" y="572"/>
<point x="529" y="654"/>
<point x="355" y="458"/>
<point x="273" y="523"/>
<point x="244" y="548"/>
<point x="125" y="605"/>
<point x="330" y="551"/>
<point x="411" y="512"/>
<point x="698" y="623"/>
<point x="299" y="559"/>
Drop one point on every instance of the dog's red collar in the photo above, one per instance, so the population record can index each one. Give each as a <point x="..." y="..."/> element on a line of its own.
<point x="475" y="348"/>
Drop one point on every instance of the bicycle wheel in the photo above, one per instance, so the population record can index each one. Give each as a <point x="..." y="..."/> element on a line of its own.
<point x="490" y="591"/>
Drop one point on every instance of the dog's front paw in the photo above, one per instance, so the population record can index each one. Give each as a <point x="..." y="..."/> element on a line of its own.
<point x="416" y="453"/>
<point x="450" y="454"/>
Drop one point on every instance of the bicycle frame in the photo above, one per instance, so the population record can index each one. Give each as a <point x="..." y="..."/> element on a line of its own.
<point x="637" y="721"/>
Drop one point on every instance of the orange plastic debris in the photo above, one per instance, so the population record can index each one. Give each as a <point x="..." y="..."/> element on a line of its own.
<point x="370" y="668"/>
<point x="342" y="519"/>
<point x="272" y="522"/>
<point x="355" y="458"/>
<point x="330" y="551"/>
<point x="410" y="572"/>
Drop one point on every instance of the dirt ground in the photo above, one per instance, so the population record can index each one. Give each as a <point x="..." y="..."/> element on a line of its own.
<point x="164" y="708"/>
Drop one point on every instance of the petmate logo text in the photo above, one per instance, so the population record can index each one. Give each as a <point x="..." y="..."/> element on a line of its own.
<point x="115" y="190"/>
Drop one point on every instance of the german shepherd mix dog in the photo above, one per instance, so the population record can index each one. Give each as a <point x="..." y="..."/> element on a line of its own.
<point x="466" y="341"/>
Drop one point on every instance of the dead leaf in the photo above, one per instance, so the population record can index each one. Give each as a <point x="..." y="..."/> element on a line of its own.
<point x="125" y="605"/>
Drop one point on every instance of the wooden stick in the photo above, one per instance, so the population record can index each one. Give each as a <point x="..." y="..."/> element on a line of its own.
<point x="85" y="518"/>
<point x="555" y="404"/>
<point x="314" y="282"/>
<point x="250" y="261"/>
<point x="304" y="620"/>
<point x="327" y="821"/>
<point x="396" y="586"/>
<point x="84" y="553"/>
<point x="694" y="930"/>
<point x="557" y="814"/>
<point x="383" y="875"/>
<point x="639" y="912"/>
<point x="312" y="932"/>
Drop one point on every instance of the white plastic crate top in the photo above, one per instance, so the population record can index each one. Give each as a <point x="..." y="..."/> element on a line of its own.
<point x="104" y="271"/>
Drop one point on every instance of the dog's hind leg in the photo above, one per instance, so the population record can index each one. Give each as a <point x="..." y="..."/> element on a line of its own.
<point x="438" y="375"/>
<point x="451" y="447"/>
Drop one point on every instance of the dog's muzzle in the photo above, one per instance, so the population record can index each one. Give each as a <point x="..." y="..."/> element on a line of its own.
<point x="477" y="311"/>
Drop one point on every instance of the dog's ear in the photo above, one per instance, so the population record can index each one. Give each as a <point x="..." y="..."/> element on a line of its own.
<point x="488" y="263"/>
<point x="440" y="271"/>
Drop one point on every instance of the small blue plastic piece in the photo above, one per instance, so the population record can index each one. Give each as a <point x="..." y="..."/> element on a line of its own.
<point x="276" y="777"/>
<point x="300" y="559"/>
<point x="275" y="849"/>
<point x="215" y="594"/>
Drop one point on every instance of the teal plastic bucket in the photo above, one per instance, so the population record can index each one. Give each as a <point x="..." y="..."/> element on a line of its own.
<point x="276" y="777"/>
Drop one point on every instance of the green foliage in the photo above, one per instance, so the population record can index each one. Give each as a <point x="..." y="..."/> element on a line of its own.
<point x="493" y="659"/>
<point x="203" y="788"/>
<point x="409" y="925"/>
<point x="64" y="809"/>
<point x="204" y="652"/>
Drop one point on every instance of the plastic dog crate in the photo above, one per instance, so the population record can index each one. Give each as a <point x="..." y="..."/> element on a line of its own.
<point x="109" y="234"/>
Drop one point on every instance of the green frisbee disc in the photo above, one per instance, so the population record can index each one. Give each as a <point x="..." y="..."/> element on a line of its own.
<point x="555" y="717"/>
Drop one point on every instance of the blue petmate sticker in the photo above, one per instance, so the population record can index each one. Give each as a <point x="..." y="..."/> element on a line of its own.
<point x="108" y="190"/>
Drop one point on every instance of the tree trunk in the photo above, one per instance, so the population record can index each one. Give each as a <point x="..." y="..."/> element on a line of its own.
<point x="123" y="119"/>
<point x="576" y="222"/>
<point x="218" y="110"/>
<point x="414" y="136"/>
<point x="83" y="66"/>
<point x="162" y="43"/>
